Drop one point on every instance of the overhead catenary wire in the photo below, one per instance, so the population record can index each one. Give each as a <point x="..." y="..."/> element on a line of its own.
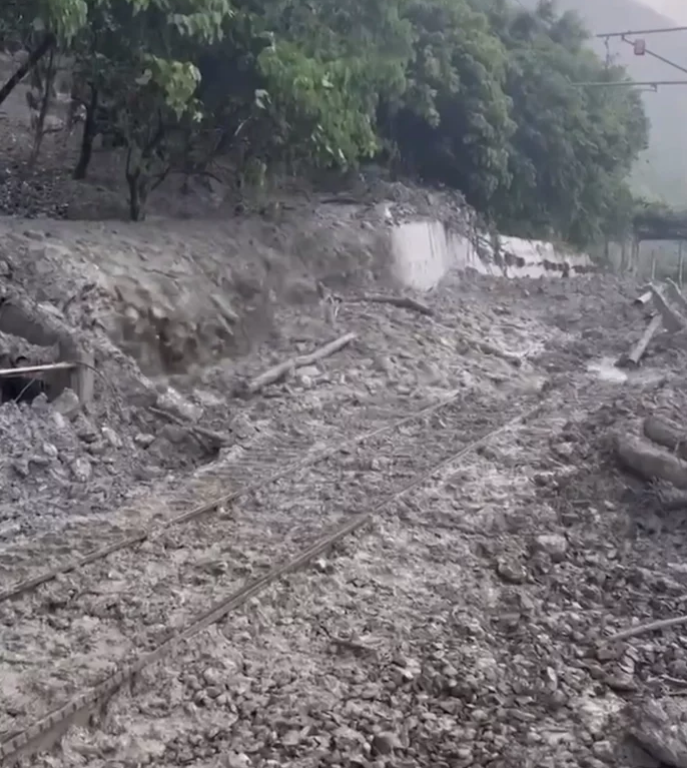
<point x="655" y="55"/>
<point x="658" y="31"/>
<point x="651" y="84"/>
<point x="628" y="83"/>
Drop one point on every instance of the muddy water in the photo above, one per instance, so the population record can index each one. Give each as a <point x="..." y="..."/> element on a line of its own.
<point x="607" y="370"/>
<point x="425" y="251"/>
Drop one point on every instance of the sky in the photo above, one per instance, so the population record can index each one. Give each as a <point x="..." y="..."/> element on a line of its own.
<point x="675" y="9"/>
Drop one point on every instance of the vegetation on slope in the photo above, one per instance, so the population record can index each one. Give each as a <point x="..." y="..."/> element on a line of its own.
<point x="474" y="94"/>
<point x="661" y="171"/>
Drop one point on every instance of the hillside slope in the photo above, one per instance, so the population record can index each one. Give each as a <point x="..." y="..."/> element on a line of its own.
<point x="662" y="170"/>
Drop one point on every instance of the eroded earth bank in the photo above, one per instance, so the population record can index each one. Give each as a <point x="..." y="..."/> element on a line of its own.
<point x="466" y="439"/>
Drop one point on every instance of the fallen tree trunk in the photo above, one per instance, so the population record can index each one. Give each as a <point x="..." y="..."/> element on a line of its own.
<point x="673" y="321"/>
<point x="208" y="437"/>
<point x="282" y="370"/>
<point x="645" y="460"/>
<point x="637" y="352"/>
<point x="660" y="728"/>
<point x="666" y="433"/>
<point x="402" y="302"/>
<point x="676" y="294"/>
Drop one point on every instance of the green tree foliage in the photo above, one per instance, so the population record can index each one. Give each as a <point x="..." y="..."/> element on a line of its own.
<point x="452" y="123"/>
<point x="573" y="147"/>
<point x="474" y="94"/>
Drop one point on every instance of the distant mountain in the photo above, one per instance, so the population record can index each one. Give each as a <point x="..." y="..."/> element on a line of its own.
<point x="675" y="9"/>
<point x="662" y="170"/>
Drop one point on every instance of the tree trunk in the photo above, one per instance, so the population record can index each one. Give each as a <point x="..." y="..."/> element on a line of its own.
<point x="650" y="463"/>
<point x="88" y="137"/>
<point x="47" y="43"/>
<point x="48" y="87"/>
<point x="138" y="194"/>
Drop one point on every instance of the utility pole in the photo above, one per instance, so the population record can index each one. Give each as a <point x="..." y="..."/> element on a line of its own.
<point x="640" y="49"/>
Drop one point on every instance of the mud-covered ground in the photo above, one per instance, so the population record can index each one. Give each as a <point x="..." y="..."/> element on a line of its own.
<point x="464" y="627"/>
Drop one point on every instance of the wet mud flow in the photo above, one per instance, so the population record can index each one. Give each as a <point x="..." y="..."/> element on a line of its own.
<point x="108" y="612"/>
<point x="448" y="571"/>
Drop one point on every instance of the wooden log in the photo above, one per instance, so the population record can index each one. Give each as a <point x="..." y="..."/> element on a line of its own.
<point x="402" y="302"/>
<point x="645" y="460"/>
<point x="659" y="728"/>
<point x="666" y="433"/>
<point x="645" y="298"/>
<point x="673" y="321"/>
<point x="675" y="294"/>
<point x="282" y="370"/>
<point x="637" y="352"/>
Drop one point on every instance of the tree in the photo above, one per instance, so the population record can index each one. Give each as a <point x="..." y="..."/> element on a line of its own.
<point x="452" y="123"/>
<point x="573" y="147"/>
<point x="54" y="20"/>
<point x="134" y="58"/>
<point x="473" y="94"/>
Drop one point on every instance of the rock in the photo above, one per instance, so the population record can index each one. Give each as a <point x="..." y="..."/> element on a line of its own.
<point x="554" y="545"/>
<point x="112" y="437"/>
<point x="40" y="404"/>
<point x="49" y="450"/>
<point x="144" y="440"/>
<point x="621" y="682"/>
<point x="172" y="402"/>
<point x="603" y="750"/>
<point x="212" y="677"/>
<point x="21" y="467"/>
<point x="311" y="371"/>
<point x="385" y="743"/>
<point x="81" y="469"/>
<point x="85" y="431"/>
<point x="511" y="571"/>
<point x="236" y="760"/>
<point x="67" y="404"/>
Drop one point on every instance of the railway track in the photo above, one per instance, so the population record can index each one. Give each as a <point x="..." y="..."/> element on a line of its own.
<point x="266" y="462"/>
<point x="150" y="591"/>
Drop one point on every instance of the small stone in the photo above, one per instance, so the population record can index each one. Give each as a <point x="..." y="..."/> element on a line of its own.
<point x="59" y="421"/>
<point x="21" y="467"/>
<point x="311" y="371"/>
<point x="621" y="682"/>
<point x="603" y="750"/>
<point x="385" y="743"/>
<point x="50" y="450"/>
<point x="40" y="404"/>
<point x="112" y="437"/>
<point x="511" y="571"/>
<point x="81" y="469"/>
<point x="144" y="440"/>
<point x="554" y="545"/>
<point x="67" y="403"/>
<point x="291" y="738"/>
<point x="237" y="760"/>
<point x="87" y="432"/>
<point x="212" y="676"/>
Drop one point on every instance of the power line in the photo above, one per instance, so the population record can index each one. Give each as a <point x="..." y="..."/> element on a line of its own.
<point x="629" y="83"/>
<point x="640" y="31"/>
<point x="656" y="55"/>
